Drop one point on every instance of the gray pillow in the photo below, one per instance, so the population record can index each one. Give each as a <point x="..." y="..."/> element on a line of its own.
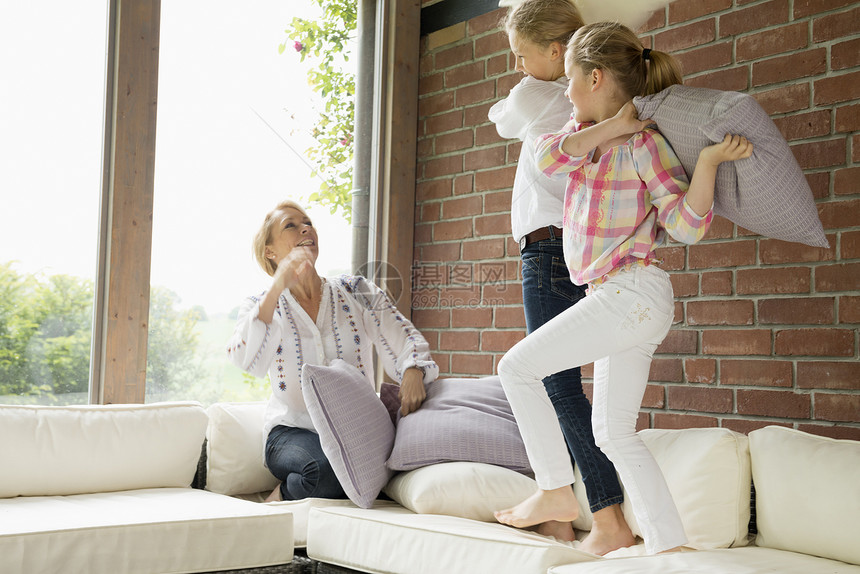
<point x="766" y="193"/>
<point x="460" y="420"/>
<point x="356" y="433"/>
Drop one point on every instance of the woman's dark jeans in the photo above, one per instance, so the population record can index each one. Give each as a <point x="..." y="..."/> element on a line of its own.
<point x="547" y="291"/>
<point x="295" y="457"/>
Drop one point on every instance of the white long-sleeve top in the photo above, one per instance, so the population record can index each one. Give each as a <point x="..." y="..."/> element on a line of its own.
<point x="355" y="315"/>
<point x="533" y="108"/>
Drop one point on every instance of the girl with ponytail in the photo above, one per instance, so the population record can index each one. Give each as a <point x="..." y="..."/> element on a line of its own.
<point x="626" y="191"/>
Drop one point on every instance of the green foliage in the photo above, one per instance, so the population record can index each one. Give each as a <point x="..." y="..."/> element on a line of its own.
<point x="324" y="44"/>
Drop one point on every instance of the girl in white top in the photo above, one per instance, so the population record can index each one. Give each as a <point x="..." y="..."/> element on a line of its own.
<point x="304" y="318"/>
<point x="538" y="31"/>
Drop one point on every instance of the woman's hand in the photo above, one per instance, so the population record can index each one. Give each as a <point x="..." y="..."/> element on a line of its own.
<point x="293" y="268"/>
<point x="412" y="392"/>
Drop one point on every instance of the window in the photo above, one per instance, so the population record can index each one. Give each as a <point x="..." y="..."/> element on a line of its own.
<point x="51" y="123"/>
<point x="232" y="130"/>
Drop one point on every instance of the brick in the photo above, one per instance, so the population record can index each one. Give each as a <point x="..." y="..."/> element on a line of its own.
<point x="685" y="284"/>
<point x="803" y="8"/>
<point x="461" y="296"/>
<point x="815" y="342"/>
<point x="455" y="141"/>
<point x="773" y="281"/>
<point x="819" y="183"/>
<point x="490" y="180"/>
<point x="443" y="123"/>
<point x="493" y="225"/>
<point x="681" y="421"/>
<point x="721" y="228"/>
<point x="755" y="18"/>
<point x="443" y="361"/>
<point x="475" y="93"/>
<point x="736" y="342"/>
<point x="464" y="74"/>
<point x="656" y="20"/>
<point x="847" y="119"/>
<point x="849" y="310"/>
<point x="834" y="407"/>
<point x="436" y="189"/>
<point x="745" y="426"/>
<point x="666" y="370"/>
<point x="837" y="432"/>
<point x="839" y="277"/>
<point x="508" y="317"/>
<point x="774" y="251"/>
<point x="464" y="184"/>
<point x="684" y="10"/>
<point x="491" y="44"/>
<point x="643" y="421"/>
<point x="834" y="375"/>
<point x="772" y="42"/>
<point x="454" y="56"/>
<point x="784" y="68"/>
<point x="446" y="36"/>
<point x="835" y="26"/>
<point x="701" y="371"/>
<point x="720" y="312"/>
<point x="850" y="248"/>
<point x="513" y="151"/>
<point x="505" y="84"/>
<point x="497" y="201"/>
<point x="485" y="158"/>
<point x="804" y="126"/>
<point x="485" y="22"/>
<point x="717" y="283"/>
<point x="835" y="89"/>
<point x="436" y="104"/>
<point x="462" y="207"/>
<point x="846" y="181"/>
<point x="678" y="317"/>
<point x="423" y="234"/>
<point x="730" y="254"/>
<point x="807" y="311"/>
<point x="431" y="318"/>
<point x="430" y="84"/>
<point x="477" y="115"/>
<point x="706" y="58"/>
<point x="424" y="149"/>
<point x="732" y="79"/>
<point x="783" y="404"/>
<point x="448" y="230"/>
<point x="654" y="397"/>
<point x="820" y="154"/>
<point x="701" y="399"/>
<point x="500" y="340"/>
<point x="430" y="212"/>
<point x="687" y="36"/>
<point x="441" y="252"/>
<point x="845" y="55"/>
<point x="507" y="294"/>
<point x="476" y="318"/>
<point x="483" y="249"/>
<point x="839" y="214"/>
<point x="785" y="99"/>
<point x="465" y="365"/>
<point x="497" y="65"/>
<point x="755" y="373"/>
<point x="679" y="342"/>
<point x="459" y="340"/>
<point x="855" y="147"/>
<point x="672" y="258"/>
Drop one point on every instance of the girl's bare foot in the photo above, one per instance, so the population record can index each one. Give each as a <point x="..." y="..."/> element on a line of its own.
<point x="543" y="506"/>
<point x="560" y="530"/>
<point x="609" y="532"/>
<point x="275" y="496"/>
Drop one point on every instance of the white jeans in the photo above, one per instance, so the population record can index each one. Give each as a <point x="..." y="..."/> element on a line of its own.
<point x="617" y="326"/>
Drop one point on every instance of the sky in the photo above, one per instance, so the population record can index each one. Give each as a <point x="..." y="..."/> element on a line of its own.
<point x="227" y="101"/>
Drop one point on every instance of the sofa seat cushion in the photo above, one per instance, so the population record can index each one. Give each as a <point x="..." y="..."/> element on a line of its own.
<point x="748" y="560"/>
<point x="300" y="510"/>
<point x="390" y="538"/>
<point x="141" y="531"/>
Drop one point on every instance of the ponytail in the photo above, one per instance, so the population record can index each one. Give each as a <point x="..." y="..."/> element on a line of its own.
<point x="663" y="71"/>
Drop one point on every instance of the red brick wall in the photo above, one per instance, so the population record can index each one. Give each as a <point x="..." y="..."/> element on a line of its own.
<point x="766" y="332"/>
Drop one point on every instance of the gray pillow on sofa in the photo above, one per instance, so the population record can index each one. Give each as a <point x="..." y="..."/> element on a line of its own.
<point x="356" y="433"/>
<point x="766" y="193"/>
<point x="460" y="420"/>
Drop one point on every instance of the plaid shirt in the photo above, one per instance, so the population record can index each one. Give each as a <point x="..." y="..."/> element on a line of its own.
<point x="618" y="209"/>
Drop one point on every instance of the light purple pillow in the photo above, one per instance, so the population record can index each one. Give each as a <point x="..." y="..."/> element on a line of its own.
<point x="356" y="433"/>
<point x="460" y="420"/>
<point x="766" y="193"/>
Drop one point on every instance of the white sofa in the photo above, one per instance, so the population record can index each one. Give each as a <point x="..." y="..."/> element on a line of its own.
<point x="106" y="489"/>
<point x="807" y="508"/>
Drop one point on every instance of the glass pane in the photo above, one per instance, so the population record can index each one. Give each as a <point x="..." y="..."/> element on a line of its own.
<point x="230" y="145"/>
<point x="51" y="122"/>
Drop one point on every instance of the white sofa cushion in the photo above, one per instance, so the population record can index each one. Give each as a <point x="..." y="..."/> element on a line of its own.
<point x="807" y="493"/>
<point x="750" y="560"/>
<point x="98" y="448"/>
<point x="140" y="532"/>
<point x="300" y="509"/>
<point x="234" y="449"/>
<point x="389" y="538"/>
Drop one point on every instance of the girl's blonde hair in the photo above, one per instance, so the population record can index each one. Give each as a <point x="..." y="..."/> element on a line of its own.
<point x="543" y="22"/>
<point x="615" y="48"/>
<point x="263" y="237"/>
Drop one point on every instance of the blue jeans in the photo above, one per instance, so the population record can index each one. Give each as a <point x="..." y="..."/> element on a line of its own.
<point x="547" y="292"/>
<point x="295" y="457"/>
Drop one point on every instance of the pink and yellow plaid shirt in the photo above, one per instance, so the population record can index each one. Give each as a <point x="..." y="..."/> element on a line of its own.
<point x="618" y="209"/>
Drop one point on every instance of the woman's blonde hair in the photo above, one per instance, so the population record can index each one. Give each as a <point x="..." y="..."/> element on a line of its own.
<point x="263" y="237"/>
<point x="615" y="48"/>
<point x="543" y="22"/>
